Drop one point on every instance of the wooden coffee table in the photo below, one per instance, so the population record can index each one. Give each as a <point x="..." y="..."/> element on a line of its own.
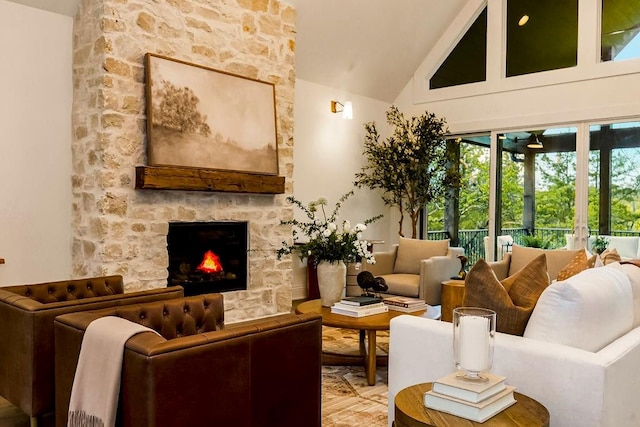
<point x="367" y="325"/>
<point x="411" y="412"/>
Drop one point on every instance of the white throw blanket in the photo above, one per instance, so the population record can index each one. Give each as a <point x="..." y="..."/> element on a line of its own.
<point x="96" y="385"/>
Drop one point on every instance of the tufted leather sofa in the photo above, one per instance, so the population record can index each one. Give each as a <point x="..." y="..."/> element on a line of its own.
<point x="199" y="372"/>
<point x="26" y="333"/>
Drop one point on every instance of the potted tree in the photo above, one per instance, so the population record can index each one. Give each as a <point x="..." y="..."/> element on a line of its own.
<point x="411" y="167"/>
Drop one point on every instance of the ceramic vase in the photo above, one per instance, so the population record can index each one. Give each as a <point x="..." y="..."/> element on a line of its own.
<point x="332" y="280"/>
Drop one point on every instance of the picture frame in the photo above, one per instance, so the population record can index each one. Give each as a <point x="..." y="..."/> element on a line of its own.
<point x="200" y="117"/>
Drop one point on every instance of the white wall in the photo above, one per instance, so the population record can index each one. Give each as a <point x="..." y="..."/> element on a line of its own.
<point x="35" y="144"/>
<point x="328" y="154"/>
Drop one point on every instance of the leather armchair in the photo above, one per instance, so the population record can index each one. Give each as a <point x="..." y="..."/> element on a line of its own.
<point x="26" y="333"/>
<point x="426" y="282"/>
<point x="200" y="372"/>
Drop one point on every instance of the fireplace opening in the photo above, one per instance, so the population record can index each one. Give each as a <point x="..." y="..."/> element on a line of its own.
<point x="207" y="257"/>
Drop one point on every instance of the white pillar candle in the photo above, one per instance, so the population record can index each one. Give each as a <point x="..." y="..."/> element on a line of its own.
<point x="474" y="343"/>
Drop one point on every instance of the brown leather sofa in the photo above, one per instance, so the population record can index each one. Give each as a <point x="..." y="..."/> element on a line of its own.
<point x="26" y="333"/>
<point x="261" y="373"/>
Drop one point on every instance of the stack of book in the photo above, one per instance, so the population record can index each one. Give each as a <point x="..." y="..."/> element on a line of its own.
<point x="359" y="306"/>
<point x="474" y="401"/>
<point x="405" y="304"/>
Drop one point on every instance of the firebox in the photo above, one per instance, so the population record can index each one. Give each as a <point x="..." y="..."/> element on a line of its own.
<point x="206" y="257"/>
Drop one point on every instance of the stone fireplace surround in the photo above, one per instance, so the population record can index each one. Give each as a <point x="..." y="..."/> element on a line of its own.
<point x="121" y="230"/>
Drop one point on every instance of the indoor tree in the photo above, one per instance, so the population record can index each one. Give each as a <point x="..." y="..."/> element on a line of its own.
<point x="411" y="166"/>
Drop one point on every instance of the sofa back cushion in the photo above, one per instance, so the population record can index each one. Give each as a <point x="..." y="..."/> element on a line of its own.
<point x="556" y="258"/>
<point x="70" y="290"/>
<point x="513" y="299"/>
<point x="627" y="246"/>
<point x="586" y="311"/>
<point x="632" y="269"/>
<point x="412" y="251"/>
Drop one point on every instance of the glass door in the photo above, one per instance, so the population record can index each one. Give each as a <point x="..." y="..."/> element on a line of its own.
<point x="535" y="189"/>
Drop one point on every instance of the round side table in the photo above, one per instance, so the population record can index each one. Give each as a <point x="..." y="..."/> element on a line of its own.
<point x="411" y="412"/>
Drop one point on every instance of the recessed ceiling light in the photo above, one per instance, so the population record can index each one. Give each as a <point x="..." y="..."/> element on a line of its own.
<point x="523" y="20"/>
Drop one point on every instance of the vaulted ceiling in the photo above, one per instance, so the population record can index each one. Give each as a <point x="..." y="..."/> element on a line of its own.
<point x="367" y="47"/>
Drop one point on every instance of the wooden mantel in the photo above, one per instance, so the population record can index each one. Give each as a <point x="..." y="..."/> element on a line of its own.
<point x="196" y="179"/>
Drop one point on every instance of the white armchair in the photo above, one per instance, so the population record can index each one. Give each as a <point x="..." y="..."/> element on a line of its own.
<point x="416" y="268"/>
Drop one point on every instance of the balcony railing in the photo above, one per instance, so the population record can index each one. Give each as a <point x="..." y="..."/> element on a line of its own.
<point x="473" y="240"/>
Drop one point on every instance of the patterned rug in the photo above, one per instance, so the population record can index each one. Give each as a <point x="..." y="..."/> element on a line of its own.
<point x="347" y="400"/>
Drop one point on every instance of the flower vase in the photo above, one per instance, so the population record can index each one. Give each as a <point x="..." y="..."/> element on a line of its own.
<point x="332" y="280"/>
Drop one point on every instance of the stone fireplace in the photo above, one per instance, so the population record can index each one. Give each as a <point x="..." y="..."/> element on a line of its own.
<point x="122" y="230"/>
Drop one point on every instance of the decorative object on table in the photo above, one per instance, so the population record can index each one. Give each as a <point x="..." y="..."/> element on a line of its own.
<point x="359" y="311"/>
<point x="600" y="243"/>
<point x="184" y="130"/>
<point x="405" y="304"/>
<point x="474" y="330"/>
<point x="411" y="167"/>
<point x="330" y="246"/>
<point x="379" y="286"/>
<point x="365" y="280"/>
<point x="463" y="272"/>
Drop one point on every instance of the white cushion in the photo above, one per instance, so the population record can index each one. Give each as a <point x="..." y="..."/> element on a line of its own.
<point x="586" y="311"/>
<point x="626" y="246"/>
<point x="633" y="273"/>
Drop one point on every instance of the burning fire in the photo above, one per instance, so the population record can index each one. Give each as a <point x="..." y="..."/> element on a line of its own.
<point x="210" y="263"/>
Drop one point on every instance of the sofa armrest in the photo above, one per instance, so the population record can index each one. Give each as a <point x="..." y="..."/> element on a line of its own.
<point x="385" y="262"/>
<point x="576" y="386"/>
<point x="435" y="270"/>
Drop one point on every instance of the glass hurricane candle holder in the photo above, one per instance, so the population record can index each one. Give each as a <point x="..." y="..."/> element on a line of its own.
<point x="473" y="334"/>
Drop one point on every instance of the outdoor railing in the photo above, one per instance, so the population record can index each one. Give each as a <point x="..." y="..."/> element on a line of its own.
<point x="473" y="240"/>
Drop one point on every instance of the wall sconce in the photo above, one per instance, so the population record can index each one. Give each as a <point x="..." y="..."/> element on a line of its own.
<point x="346" y="109"/>
<point x="535" y="144"/>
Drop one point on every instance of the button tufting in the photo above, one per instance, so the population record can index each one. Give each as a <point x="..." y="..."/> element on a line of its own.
<point x="142" y="315"/>
<point x="50" y="290"/>
<point x="69" y="289"/>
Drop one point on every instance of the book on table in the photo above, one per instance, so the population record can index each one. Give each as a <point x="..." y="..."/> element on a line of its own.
<point x="412" y="309"/>
<point x="360" y="300"/>
<point x="451" y="385"/>
<point x="359" y="311"/>
<point x="403" y="301"/>
<point x="478" y="412"/>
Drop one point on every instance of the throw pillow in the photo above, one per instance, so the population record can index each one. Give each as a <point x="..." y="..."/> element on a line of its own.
<point x="513" y="299"/>
<point x="609" y="256"/>
<point x="577" y="264"/>
<point x="587" y="311"/>
<point x="412" y="251"/>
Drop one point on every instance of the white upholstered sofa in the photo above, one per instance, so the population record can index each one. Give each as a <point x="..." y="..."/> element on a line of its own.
<point x="579" y="356"/>
<point x="628" y="247"/>
<point x="416" y="268"/>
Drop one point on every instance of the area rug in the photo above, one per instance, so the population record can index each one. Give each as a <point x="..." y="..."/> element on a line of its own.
<point x="347" y="399"/>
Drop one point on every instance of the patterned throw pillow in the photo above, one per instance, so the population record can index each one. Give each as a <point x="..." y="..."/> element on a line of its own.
<point x="513" y="299"/>
<point x="577" y="264"/>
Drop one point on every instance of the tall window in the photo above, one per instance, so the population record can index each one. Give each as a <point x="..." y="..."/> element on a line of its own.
<point x="614" y="178"/>
<point x="542" y="35"/>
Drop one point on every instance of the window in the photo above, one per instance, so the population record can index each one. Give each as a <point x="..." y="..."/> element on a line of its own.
<point x="620" y="30"/>
<point x="542" y="35"/>
<point x="467" y="63"/>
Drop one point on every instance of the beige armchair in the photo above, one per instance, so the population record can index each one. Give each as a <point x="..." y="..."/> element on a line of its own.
<point x="416" y="268"/>
<point x="520" y="256"/>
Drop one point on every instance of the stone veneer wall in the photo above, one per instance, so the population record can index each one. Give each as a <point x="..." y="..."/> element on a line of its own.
<point x="120" y="230"/>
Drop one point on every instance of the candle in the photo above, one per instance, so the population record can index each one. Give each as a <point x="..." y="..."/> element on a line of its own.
<point x="474" y="343"/>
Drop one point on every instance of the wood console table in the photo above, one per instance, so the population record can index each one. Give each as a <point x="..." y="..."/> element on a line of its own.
<point x="411" y="412"/>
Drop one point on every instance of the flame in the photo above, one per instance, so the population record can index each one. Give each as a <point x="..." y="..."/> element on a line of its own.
<point x="210" y="263"/>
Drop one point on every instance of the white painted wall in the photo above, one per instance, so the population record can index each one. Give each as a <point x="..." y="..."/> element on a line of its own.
<point x="35" y="144"/>
<point x="328" y="154"/>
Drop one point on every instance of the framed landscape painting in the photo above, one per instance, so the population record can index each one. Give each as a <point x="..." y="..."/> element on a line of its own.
<point x="204" y="118"/>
